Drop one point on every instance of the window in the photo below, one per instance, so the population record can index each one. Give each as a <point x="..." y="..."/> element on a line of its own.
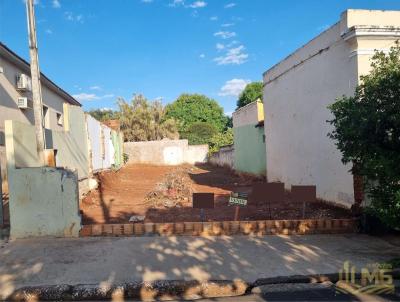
<point x="46" y="118"/>
<point x="59" y="119"/>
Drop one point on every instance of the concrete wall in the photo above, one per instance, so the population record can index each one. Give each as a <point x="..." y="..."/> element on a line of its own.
<point x="105" y="148"/>
<point x="223" y="158"/>
<point x="95" y="143"/>
<point x="118" y="142"/>
<point x="71" y="146"/>
<point x="43" y="202"/>
<point x="297" y="92"/>
<point x="165" y="152"/>
<point x="249" y="151"/>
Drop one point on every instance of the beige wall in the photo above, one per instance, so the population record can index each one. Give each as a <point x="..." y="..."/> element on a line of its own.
<point x="250" y="114"/>
<point x="297" y="92"/>
<point x="165" y="152"/>
<point x="8" y="103"/>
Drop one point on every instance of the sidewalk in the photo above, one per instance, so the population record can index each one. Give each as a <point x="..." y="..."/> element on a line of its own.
<point x="108" y="261"/>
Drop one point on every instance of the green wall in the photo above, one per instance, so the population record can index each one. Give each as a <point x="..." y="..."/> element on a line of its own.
<point x="250" y="151"/>
<point x="117" y="141"/>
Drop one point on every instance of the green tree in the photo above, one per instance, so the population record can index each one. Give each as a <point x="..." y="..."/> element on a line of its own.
<point x="251" y="93"/>
<point x="200" y="133"/>
<point x="104" y="114"/>
<point x="367" y="132"/>
<point x="192" y="108"/>
<point x="142" y="120"/>
<point x="220" y="140"/>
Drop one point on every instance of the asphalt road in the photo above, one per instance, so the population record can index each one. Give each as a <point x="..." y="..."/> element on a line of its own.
<point x="304" y="292"/>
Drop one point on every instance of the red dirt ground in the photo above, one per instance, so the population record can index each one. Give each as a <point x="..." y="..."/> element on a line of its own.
<point x="121" y="194"/>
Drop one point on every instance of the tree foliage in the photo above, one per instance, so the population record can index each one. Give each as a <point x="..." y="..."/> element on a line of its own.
<point x="367" y="132"/>
<point x="251" y="93"/>
<point x="193" y="108"/>
<point x="220" y="140"/>
<point x="200" y="133"/>
<point x="104" y="115"/>
<point x="142" y="120"/>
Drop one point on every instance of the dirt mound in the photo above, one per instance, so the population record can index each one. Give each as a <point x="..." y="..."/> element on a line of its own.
<point x="174" y="190"/>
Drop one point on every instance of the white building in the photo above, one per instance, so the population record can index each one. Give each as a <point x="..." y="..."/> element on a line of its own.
<point x="298" y="90"/>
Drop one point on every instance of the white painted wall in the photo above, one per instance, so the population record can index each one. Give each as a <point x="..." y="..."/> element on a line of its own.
<point x="295" y="106"/>
<point x="94" y="133"/>
<point x="298" y="90"/>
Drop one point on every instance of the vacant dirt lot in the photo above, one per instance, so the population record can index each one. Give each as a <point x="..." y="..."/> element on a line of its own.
<point x="123" y="194"/>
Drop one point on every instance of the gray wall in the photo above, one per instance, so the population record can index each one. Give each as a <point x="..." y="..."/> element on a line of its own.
<point x="43" y="202"/>
<point x="165" y="152"/>
<point x="224" y="157"/>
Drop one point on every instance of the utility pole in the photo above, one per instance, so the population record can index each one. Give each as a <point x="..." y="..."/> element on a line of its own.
<point x="36" y="87"/>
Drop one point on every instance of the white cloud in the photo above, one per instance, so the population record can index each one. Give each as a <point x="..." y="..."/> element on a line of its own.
<point x="147" y="1"/>
<point x="72" y="17"/>
<point x="220" y="46"/>
<point x="225" y="34"/>
<point x="198" y="4"/>
<point x="91" y="96"/>
<point x="230" y="5"/>
<point x="233" y="87"/>
<point x="233" y="56"/>
<point x="56" y="4"/>
<point x="95" y="87"/>
<point x="48" y="31"/>
<point x="214" y="18"/>
<point x="228" y="24"/>
<point x="176" y="3"/>
<point x="202" y="56"/>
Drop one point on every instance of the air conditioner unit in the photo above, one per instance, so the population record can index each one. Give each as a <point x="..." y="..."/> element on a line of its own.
<point x="24" y="103"/>
<point x="24" y="82"/>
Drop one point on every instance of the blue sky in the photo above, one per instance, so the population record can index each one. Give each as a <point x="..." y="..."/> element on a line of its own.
<point x="99" y="50"/>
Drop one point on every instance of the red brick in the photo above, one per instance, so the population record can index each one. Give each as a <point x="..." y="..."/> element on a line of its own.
<point x="197" y="228"/>
<point x="179" y="228"/>
<point x="118" y="229"/>
<point x="138" y="229"/>
<point x="217" y="228"/>
<point x="85" y="231"/>
<point x="97" y="230"/>
<point x="189" y="228"/>
<point x="164" y="228"/>
<point x="235" y="227"/>
<point x="128" y="229"/>
<point x="107" y="229"/>
<point x="226" y="227"/>
<point x="261" y="226"/>
<point x="149" y="228"/>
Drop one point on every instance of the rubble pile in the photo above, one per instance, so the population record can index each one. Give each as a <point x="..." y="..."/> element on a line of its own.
<point x="175" y="190"/>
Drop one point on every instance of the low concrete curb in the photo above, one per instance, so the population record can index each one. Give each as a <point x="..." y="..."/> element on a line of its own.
<point x="142" y="291"/>
<point x="217" y="228"/>
<point x="163" y="290"/>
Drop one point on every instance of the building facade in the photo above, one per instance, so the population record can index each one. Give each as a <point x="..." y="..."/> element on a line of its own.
<point x="298" y="90"/>
<point x="249" y="139"/>
<point x="12" y="69"/>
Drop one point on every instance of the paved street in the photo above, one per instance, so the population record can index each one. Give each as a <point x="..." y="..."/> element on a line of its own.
<point x="118" y="260"/>
<point x="304" y="292"/>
